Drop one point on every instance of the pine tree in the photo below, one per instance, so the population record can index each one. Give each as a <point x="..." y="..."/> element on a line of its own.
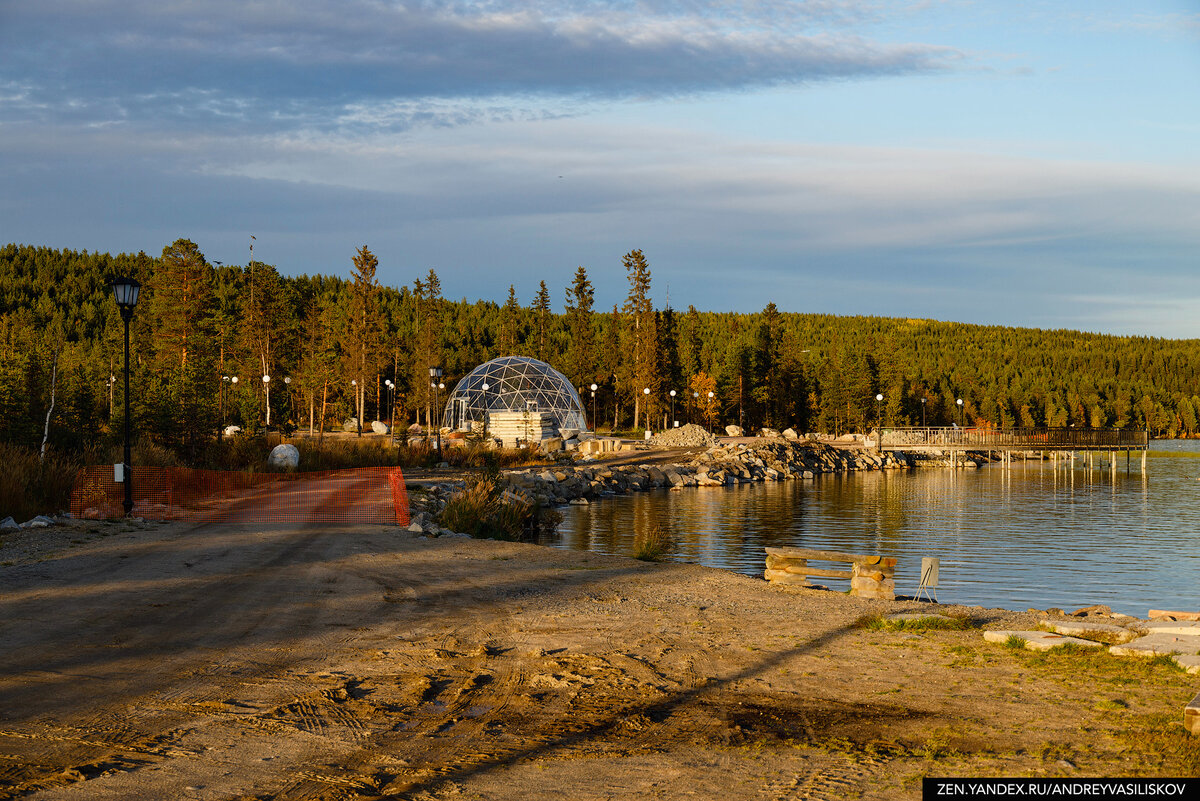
<point x="508" y="344"/>
<point x="642" y="338"/>
<point x="582" y="367"/>
<point x="541" y="305"/>
<point x="365" y="334"/>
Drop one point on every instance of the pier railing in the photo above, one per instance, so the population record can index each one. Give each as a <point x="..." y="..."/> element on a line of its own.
<point x="1014" y="439"/>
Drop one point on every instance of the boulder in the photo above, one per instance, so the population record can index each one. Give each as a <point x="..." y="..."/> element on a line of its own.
<point x="8" y="524"/>
<point x="380" y="427"/>
<point x="551" y="445"/>
<point x="231" y="430"/>
<point x="351" y="424"/>
<point x="284" y="456"/>
<point x="733" y="431"/>
<point x="790" y="433"/>
<point x="769" y="432"/>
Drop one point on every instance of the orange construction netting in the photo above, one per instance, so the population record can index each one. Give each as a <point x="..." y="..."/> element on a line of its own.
<point x="371" y="495"/>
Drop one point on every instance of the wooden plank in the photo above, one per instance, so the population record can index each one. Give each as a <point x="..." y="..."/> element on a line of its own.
<point x="784" y="577"/>
<point x="806" y="553"/>
<point x="817" y="571"/>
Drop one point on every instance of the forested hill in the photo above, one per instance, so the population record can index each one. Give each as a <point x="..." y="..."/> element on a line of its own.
<point x="198" y="323"/>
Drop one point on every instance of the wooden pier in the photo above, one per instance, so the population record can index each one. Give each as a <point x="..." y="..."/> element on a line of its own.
<point x="1005" y="441"/>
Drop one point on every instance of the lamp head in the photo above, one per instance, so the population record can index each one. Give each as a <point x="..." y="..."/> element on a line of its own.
<point x="125" y="290"/>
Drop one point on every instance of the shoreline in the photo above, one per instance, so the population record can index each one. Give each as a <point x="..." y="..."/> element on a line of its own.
<point x="289" y="662"/>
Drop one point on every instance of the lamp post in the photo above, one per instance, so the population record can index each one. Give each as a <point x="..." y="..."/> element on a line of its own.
<point x="960" y="412"/>
<point x="923" y="412"/>
<point x="287" y="389"/>
<point x="357" y="413"/>
<point x="674" y="422"/>
<point x="487" y="410"/>
<point x="267" y="397"/>
<point x="710" y="399"/>
<point x="435" y="376"/>
<point x="695" y="403"/>
<point x="646" y="392"/>
<point x="594" y="388"/>
<point x="391" y="404"/>
<point x="126" y="292"/>
<point x="878" y="422"/>
<point x="224" y="391"/>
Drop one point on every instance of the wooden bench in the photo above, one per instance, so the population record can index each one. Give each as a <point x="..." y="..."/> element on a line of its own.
<point x="870" y="576"/>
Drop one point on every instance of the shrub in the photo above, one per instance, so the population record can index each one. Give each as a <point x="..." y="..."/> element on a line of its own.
<point x="653" y="545"/>
<point x="30" y="486"/>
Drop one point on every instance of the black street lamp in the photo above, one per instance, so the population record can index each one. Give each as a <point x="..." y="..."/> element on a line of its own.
<point x="594" y="388"/>
<point x="126" y="292"/>
<point x="923" y="412"/>
<point x="672" y="408"/>
<point x="435" y="381"/>
<point x="695" y="404"/>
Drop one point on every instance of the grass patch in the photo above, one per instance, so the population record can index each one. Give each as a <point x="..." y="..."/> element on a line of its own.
<point x="1163" y="746"/>
<point x="654" y="544"/>
<point x="1111" y="705"/>
<point x="1015" y="643"/>
<point x="1174" y="454"/>
<point x="879" y="622"/>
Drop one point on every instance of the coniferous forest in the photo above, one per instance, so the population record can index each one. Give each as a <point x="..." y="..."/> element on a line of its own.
<point x="339" y="342"/>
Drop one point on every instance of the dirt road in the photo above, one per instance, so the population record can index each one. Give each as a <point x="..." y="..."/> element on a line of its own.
<point x="287" y="662"/>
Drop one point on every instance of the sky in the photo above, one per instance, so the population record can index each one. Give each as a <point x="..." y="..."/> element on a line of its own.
<point x="984" y="161"/>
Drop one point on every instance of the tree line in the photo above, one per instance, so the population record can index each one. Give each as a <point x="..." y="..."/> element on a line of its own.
<point x="337" y="348"/>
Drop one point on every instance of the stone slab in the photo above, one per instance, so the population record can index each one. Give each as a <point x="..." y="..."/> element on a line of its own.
<point x="1078" y="628"/>
<point x="1179" y="628"/>
<point x="1189" y="662"/>
<point x="1161" y="614"/>
<point x="1157" y="645"/>
<point x="1038" y="640"/>
<point x="1191" y="716"/>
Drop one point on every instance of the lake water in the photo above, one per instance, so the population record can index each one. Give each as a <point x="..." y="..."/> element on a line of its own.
<point x="1032" y="536"/>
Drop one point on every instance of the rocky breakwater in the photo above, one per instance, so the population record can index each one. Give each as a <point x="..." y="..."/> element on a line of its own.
<point x="719" y="465"/>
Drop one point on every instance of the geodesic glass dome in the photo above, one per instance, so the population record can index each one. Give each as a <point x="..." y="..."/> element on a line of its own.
<point x="514" y="384"/>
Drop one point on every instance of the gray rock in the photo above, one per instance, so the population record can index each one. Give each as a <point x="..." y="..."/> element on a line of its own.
<point x="231" y="430"/>
<point x="284" y="456"/>
<point x="790" y="433"/>
<point x="7" y="524"/>
<point x="769" y="432"/>
<point x="380" y="427"/>
<point x="734" y="431"/>
<point x="351" y="424"/>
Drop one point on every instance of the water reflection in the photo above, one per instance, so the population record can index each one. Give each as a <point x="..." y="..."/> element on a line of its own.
<point x="1038" y="534"/>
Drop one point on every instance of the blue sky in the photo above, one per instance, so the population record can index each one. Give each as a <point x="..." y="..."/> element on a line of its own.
<point x="1018" y="163"/>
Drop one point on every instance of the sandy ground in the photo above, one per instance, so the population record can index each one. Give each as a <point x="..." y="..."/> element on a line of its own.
<point x="283" y="662"/>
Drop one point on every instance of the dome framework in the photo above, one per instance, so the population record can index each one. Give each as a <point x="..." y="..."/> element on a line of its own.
<point x="514" y="384"/>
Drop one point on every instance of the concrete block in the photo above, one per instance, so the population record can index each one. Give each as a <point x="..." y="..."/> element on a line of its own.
<point x="1079" y="628"/>
<point x="1038" y="640"/>
<point x="1191" y="716"/>
<point x="1178" y="628"/>
<point x="1157" y="645"/>
<point x="1189" y="662"/>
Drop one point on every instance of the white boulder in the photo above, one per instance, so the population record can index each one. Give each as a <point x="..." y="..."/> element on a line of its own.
<point x="380" y="427"/>
<point x="284" y="456"/>
<point x="734" y="431"/>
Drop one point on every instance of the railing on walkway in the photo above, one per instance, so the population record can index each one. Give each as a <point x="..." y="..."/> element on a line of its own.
<point x="1014" y="439"/>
